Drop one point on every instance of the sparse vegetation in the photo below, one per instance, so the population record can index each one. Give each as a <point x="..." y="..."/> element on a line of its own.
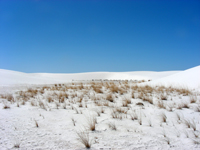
<point x="121" y="103"/>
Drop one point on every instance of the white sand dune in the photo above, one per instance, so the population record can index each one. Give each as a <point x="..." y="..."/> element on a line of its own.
<point x="57" y="131"/>
<point x="13" y="77"/>
<point x="189" y="78"/>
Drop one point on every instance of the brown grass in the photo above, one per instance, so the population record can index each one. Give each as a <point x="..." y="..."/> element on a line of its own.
<point x="163" y="117"/>
<point x="163" y="97"/>
<point x="114" y="88"/>
<point x="10" y="97"/>
<point x="6" y="106"/>
<point x="148" y="99"/>
<point x="160" y="104"/>
<point x="134" y="116"/>
<point x="49" y="99"/>
<point x="110" y="98"/>
<point x="193" y="99"/>
<point x="84" y="139"/>
<point x="36" y="124"/>
<point x="91" y="123"/>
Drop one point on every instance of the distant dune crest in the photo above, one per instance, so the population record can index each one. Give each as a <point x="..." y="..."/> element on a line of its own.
<point x="189" y="78"/>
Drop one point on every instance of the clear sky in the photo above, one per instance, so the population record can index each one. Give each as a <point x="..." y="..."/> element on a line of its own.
<point x="71" y="36"/>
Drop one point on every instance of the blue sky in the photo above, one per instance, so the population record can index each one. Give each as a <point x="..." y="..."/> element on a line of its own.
<point x="71" y="36"/>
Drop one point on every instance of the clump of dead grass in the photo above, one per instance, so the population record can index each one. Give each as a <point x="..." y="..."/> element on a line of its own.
<point x="84" y="139"/>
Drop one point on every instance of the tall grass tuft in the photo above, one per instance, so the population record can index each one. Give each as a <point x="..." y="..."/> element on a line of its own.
<point x="84" y="139"/>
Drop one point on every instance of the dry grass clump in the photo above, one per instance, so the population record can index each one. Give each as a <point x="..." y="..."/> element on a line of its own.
<point x="73" y="121"/>
<point x="102" y="110"/>
<point x="91" y="123"/>
<point x="36" y="124"/>
<point x="16" y="145"/>
<point x="114" y="88"/>
<point x="170" y="107"/>
<point x="196" y="134"/>
<point x="150" y="122"/>
<point x="160" y="89"/>
<point x="76" y="110"/>
<point x="122" y="91"/>
<point x="193" y="125"/>
<point x="110" y="98"/>
<point x="84" y="139"/>
<point x="167" y="140"/>
<point x="178" y="116"/>
<point x="133" y="95"/>
<point x="33" y="91"/>
<point x="148" y="99"/>
<point x="185" y="105"/>
<point x="49" y="99"/>
<point x="62" y="96"/>
<point x="125" y="103"/>
<point x="160" y="104"/>
<point x="117" y="115"/>
<point x="6" y="106"/>
<point x="112" y="126"/>
<point x="190" y="124"/>
<point x="140" y="120"/>
<point x="97" y="88"/>
<point x="141" y="95"/>
<point x="163" y="117"/>
<point x="193" y="99"/>
<point x="187" y="123"/>
<point x="10" y="97"/>
<point x="33" y="103"/>
<point x="134" y="88"/>
<point x="183" y="91"/>
<point x="149" y="89"/>
<point x="134" y="116"/>
<point x="41" y="104"/>
<point x="163" y="97"/>
<point x="120" y="110"/>
<point x="179" y="106"/>
<point x="145" y="89"/>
